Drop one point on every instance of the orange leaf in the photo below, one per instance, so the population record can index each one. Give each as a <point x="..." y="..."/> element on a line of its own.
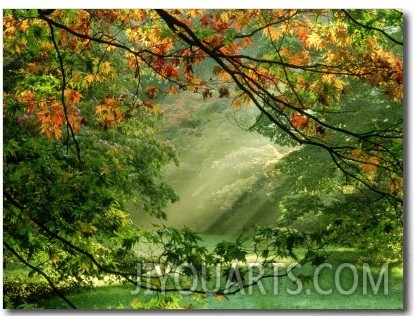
<point x="302" y="33"/>
<point x="300" y="59"/>
<point x="73" y="96"/>
<point x="111" y="102"/>
<point x="371" y="164"/>
<point x="396" y="185"/>
<point x="151" y="91"/>
<point x="33" y="68"/>
<point x="172" y="90"/>
<point x="284" y="52"/>
<point x="154" y="108"/>
<point x="241" y="99"/>
<point x="247" y="41"/>
<point x="273" y="33"/>
<point x="217" y="70"/>
<point x="193" y="13"/>
<point x="57" y="114"/>
<point x="224" y="76"/>
<point x="89" y="78"/>
<point x="57" y="133"/>
<point x="100" y="109"/>
<point x="338" y="83"/>
<point x="171" y="72"/>
<point x="356" y="153"/>
<point x="299" y="121"/>
<point x="74" y="121"/>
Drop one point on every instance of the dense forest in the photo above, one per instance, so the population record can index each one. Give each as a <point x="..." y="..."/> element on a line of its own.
<point x="192" y="139"/>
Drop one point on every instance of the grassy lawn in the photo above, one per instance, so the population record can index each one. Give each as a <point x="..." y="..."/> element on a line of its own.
<point x="349" y="291"/>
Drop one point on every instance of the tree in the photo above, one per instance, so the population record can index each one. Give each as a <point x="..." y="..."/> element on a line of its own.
<point x="298" y="86"/>
<point x="80" y="119"/>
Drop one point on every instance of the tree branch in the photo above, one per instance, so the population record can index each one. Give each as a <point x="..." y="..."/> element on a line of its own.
<point x="371" y="28"/>
<point x="67" y="243"/>
<point x="26" y="263"/>
<point x="65" y="109"/>
<point x="180" y="27"/>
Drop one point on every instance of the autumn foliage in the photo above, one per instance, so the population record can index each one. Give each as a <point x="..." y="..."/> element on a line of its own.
<point x="304" y="62"/>
<point x="70" y="75"/>
<point x="294" y="65"/>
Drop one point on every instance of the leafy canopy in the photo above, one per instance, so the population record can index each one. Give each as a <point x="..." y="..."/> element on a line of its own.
<point x="81" y="118"/>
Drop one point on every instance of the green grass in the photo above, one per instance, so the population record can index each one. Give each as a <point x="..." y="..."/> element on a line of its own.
<point x="265" y="297"/>
<point x="271" y="294"/>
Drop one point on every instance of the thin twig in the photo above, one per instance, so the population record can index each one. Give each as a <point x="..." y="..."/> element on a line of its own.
<point x="371" y="28"/>
<point x="65" y="109"/>
<point x="26" y="263"/>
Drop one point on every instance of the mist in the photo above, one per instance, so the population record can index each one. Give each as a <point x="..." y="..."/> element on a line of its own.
<point x="225" y="176"/>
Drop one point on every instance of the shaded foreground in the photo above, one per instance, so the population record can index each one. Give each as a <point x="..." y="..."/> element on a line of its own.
<point x="271" y="294"/>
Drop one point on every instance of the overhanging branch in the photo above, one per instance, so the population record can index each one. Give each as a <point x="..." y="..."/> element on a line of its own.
<point x="371" y="28"/>
<point x="32" y="267"/>
<point x="63" y="88"/>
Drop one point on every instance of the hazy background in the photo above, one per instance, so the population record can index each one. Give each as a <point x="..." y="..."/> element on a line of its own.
<point x="223" y="177"/>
